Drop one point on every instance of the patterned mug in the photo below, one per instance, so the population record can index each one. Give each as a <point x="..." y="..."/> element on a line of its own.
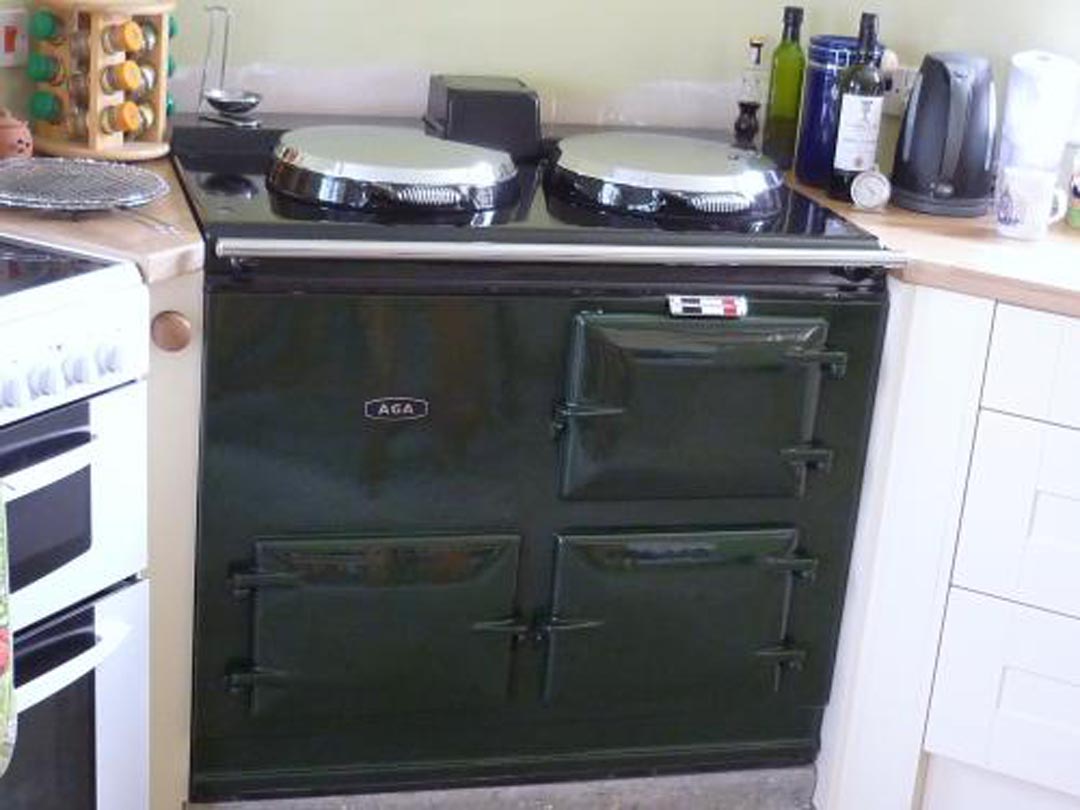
<point x="1028" y="202"/>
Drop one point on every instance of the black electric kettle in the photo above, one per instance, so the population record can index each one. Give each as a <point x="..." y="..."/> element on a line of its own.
<point x="945" y="156"/>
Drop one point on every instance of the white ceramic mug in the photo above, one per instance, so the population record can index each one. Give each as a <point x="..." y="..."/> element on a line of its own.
<point x="1028" y="202"/>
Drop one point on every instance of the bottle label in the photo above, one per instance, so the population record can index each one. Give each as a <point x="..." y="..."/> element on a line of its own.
<point x="857" y="137"/>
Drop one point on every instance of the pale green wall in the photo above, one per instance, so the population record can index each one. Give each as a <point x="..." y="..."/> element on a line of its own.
<point x="572" y="47"/>
<point x="574" y="50"/>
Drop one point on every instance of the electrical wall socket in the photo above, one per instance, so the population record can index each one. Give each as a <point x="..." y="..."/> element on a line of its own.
<point x="901" y="83"/>
<point x="13" y="40"/>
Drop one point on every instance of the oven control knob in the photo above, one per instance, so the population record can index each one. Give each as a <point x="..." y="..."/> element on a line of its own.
<point x="13" y="393"/>
<point x="44" y="381"/>
<point x="78" y="369"/>
<point x="110" y="358"/>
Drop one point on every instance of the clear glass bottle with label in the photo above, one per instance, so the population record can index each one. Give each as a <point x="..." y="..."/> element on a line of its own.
<point x="862" y="100"/>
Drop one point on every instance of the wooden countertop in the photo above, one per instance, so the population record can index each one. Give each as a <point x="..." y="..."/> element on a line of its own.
<point x="968" y="256"/>
<point x="159" y="253"/>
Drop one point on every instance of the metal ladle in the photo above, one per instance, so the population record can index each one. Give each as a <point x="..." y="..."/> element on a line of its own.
<point x="233" y="105"/>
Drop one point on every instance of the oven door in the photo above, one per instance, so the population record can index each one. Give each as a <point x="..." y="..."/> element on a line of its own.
<point x="82" y="689"/>
<point x="74" y="486"/>
<point x="664" y="407"/>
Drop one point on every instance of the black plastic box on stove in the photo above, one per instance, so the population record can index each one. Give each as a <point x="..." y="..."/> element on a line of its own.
<point x="495" y="111"/>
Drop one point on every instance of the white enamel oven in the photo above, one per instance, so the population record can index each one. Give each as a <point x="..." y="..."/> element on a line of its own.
<point x="74" y="482"/>
<point x="73" y="456"/>
<point x="83" y="699"/>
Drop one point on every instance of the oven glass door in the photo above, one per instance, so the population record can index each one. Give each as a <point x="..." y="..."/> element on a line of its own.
<point x="82" y="691"/>
<point x="72" y="480"/>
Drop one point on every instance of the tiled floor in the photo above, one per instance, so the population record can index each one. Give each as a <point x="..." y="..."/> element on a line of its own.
<point x="788" y="789"/>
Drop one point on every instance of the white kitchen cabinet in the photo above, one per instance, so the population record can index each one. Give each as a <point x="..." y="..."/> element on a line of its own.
<point x="1034" y="366"/>
<point x="1020" y="535"/>
<point x="920" y="446"/>
<point x="1007" y="691"/>
<point x="952" y="785"/>
<point x="174" y="397"/>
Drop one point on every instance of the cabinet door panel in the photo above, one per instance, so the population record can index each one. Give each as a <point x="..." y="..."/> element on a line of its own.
<point x="1007" y="693"/>
<point x="361" y="626"/>
<point x="658" y="407"/>
<point x="1034" y="367"/>
<point x="1020" y="535"/>
<point x="653" y="618"/>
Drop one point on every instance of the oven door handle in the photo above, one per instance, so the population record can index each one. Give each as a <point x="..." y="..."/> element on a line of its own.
<point x="110" y="635"/>
<point x="46" y="473"/>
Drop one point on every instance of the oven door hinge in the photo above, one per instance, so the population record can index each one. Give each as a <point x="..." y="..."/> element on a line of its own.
<point x="805" y="458"/>
<point x="834" y="362"/>
<point x="245" y="582"/>
<point x="566" y="411"/>
<point x="516" y="628"/>
<point x="557" y="624"/>
<point x="784" y="659"/>
<point x="803" y="568"/>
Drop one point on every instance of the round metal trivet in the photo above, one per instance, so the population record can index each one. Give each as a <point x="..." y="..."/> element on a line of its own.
<point x="63" y="184"/>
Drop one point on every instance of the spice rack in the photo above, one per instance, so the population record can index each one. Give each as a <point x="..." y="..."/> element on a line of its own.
<point x="73" y="129"/>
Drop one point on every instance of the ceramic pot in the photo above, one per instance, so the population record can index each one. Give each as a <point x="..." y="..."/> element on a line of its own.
<point x="15" y="137"/>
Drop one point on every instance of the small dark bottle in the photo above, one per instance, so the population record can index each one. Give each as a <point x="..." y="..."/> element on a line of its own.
<point x="746" y="125"/>
<point x="862" y="100"/>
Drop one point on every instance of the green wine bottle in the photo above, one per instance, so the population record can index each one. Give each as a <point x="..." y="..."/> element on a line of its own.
<point x="785" y="92"/>
<point x="862" y="99"/>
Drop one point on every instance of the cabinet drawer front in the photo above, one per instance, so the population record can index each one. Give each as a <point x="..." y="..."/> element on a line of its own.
<point x="1020" y="536"/>
<point x="1034" y="367"/>
<point x="1007" y="693"/>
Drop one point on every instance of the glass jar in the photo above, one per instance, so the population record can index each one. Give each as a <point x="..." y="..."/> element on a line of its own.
<point x="123" y="118"/>
<point x="123" y="78"/>
<point x="79" y="89"/>
<point x="147" y="83"/>
<point x="121" y="38"/>
<point x="147" y="119"/>
<point x="43" y="68"/>
<point x="46" y="106"/>
<point x="828" y="57"/>
<point x="46" y="27"/>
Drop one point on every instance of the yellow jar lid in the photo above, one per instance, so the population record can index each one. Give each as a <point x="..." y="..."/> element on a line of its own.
<point x="130" y="37"/>
<point x="126" y="117"/>
<point x="127" y="76"/>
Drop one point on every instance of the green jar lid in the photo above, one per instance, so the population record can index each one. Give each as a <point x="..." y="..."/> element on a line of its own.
<point x="45" y="106"/>
<point x="44" y="25"/>
<point x="170" y="104"/>
<point x="42" y="68"/>
<point x="174" y="26"/>
<point x="170" y="67"/>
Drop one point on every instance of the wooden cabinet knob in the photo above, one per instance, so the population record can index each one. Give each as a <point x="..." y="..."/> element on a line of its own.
<point x="171" y="331"/>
